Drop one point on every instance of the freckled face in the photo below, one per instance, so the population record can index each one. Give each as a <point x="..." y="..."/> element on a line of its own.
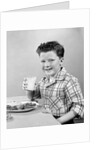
<point x="50" y="62"/>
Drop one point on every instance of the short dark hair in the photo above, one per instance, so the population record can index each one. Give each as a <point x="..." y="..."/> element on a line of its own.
<point x="51" y="46"/>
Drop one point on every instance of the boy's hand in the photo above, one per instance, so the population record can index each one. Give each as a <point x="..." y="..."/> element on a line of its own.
<point x="29" y="83"/>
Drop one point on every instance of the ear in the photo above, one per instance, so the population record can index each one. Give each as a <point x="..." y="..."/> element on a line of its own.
<point x="61" y="59"/>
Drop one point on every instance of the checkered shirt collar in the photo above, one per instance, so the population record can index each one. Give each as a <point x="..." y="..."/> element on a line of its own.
<point x="60" y="75"/>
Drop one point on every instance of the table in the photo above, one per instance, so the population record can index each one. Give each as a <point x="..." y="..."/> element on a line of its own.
<point x="29" y="119"/>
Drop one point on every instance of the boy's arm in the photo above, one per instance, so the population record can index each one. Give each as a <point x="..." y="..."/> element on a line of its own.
<point x="74" y="93"/>
<point x="68" y="116"/>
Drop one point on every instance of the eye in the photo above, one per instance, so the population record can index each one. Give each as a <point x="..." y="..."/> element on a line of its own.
<point x="42" y="61"/>
<point x="51" y="60"/>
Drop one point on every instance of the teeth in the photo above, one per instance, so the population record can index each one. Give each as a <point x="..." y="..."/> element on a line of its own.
<point x="48" y="69"/>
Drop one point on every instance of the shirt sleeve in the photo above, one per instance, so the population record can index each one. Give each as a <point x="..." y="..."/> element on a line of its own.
<point x="75" y="96"/>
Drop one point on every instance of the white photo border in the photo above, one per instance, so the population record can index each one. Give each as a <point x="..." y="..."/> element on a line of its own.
<point x="47" y="135"/>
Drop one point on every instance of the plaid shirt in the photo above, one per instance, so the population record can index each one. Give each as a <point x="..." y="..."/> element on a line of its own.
<point x="61" y="94"/>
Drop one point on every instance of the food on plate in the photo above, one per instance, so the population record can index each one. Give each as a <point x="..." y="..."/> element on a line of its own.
<point x="21" y="106"/>
<point x="9" y="107"/>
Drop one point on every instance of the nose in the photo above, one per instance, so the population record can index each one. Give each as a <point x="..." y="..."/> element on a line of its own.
<point x="47" y="64"/>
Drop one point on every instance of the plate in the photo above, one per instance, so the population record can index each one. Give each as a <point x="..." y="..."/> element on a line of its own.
<point x="21" y="107"/>
<point x="21" y="110"/>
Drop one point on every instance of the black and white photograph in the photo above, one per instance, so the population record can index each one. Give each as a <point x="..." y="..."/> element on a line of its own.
<point x="45" y="77"/>
<point x="40" y="89"/>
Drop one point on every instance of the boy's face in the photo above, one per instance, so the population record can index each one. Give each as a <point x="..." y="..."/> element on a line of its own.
<point x="51" y="63"/>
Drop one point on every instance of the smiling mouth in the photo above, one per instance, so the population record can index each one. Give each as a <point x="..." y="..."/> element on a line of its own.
<point x="48" y="69"/>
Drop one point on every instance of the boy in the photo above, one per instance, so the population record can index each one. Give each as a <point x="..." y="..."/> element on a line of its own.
<point x="60" y="91"/>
